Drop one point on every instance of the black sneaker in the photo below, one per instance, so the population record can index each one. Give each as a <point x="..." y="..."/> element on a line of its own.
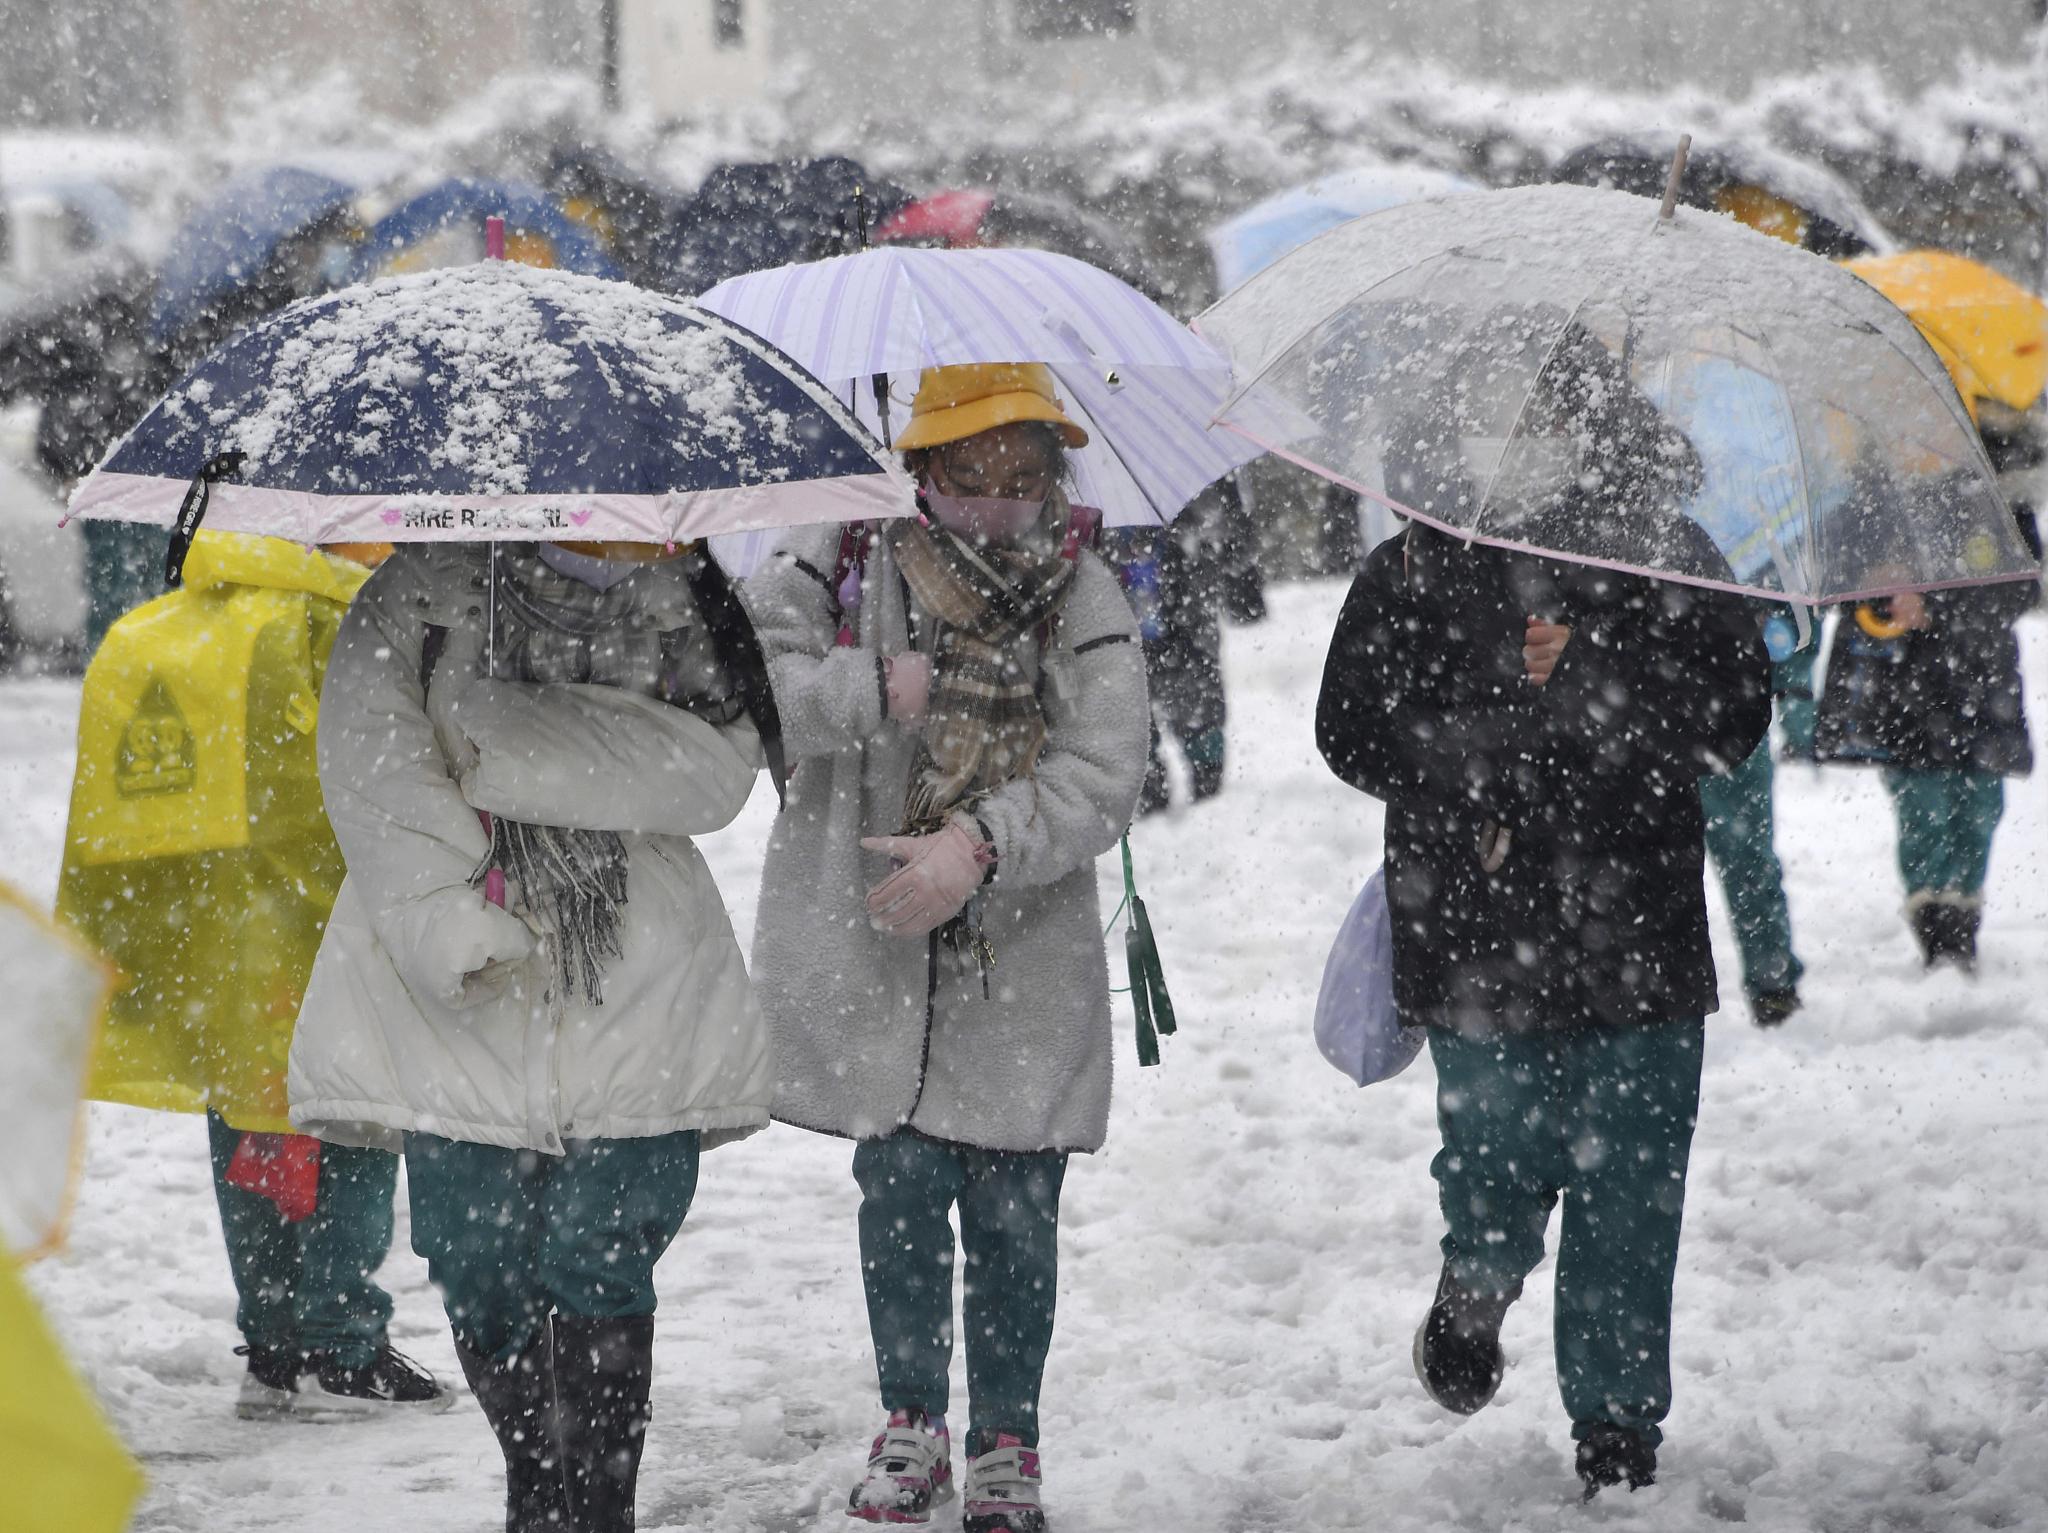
<point x="1610" y="1455"/>
<point x="390" y="1379"/>
<point x="270" y="1386"/>
<point x="1772" y="1008"/>
<point x="1457" y="1348"/>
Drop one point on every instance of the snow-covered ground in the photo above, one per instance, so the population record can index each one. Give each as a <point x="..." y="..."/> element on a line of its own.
<point x="1862" y="1330"/>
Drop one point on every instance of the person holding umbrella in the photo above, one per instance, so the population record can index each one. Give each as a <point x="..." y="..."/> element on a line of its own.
<point x="1537" y="730"/>
<point x="554" y="1051"/>
<point x="529" y="983"/>
<point x="929" y="947"/>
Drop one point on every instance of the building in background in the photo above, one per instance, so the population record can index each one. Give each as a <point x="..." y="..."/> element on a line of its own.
<point x="145" y="65"/>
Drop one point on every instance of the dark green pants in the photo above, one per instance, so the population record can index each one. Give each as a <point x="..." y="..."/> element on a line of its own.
<point x="308" y="1285"/>
<point x="1009" y="1226"/>
<point x="1602" y="1117"/>
<point x="1798" y="713"/>
<point x="512" y="1236"/>
<point x="1741" y="840"/>
<point x="1945" y="823"/>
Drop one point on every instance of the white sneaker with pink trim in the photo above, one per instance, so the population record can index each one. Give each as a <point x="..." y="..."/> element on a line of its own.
<point x="910" y="1470"/>
<point x="1002" y="1490"/>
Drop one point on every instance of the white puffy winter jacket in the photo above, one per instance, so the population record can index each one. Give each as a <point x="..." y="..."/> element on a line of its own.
<point x="400" y="1030"/>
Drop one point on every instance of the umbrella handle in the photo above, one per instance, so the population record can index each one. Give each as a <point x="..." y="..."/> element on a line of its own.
<point x="1671" y="181"/>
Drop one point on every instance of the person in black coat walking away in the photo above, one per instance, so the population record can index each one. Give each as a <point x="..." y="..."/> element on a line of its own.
<point x="1538" y="730"/>
<point x="1928" y="687"/>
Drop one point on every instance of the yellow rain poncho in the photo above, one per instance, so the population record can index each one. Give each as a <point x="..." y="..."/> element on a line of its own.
<point x="198" y="856"/>
<point x="1990" y="333"/>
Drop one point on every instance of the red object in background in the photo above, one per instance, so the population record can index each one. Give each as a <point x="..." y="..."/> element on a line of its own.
<point x="284" y="1168"/>
<point x="951" y="218"/>
<point x="494" y="238"/>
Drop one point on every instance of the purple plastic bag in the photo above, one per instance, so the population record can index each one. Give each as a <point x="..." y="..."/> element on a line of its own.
<point x="1357" y="1026"/>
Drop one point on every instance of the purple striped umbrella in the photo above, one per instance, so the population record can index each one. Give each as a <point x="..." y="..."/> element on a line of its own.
<point x="1144" y="385"/>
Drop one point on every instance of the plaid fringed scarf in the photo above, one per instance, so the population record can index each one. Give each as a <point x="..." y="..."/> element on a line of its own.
<point x="983" y="726"/>
<point x="643" y="635"/>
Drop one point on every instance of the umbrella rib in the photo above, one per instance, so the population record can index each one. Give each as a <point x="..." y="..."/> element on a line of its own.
<point x="1310" y="328"/>
<point x="1109" y="442"/>
<point x="1522" y="410"/>
<point x="1812" y="539"/>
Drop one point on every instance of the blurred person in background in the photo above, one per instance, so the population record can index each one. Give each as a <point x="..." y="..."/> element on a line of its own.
<point x="1928" y="687"/>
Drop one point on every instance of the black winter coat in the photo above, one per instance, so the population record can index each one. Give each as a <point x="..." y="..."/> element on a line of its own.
<point x="1598" y="911"/>
<point x="1944" y="698"/>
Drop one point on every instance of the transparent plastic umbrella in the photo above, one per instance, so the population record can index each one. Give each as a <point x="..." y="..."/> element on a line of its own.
<point x="1562" y="370"/>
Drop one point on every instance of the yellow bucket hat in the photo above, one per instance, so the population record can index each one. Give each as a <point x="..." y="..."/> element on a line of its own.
<point x="957" y="402"/>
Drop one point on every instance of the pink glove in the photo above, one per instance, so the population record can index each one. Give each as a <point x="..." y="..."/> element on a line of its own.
<point x="909" y="680"/>
<point x="938" y="876"/>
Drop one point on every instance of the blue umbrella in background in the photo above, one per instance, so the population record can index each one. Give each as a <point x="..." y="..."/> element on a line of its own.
<point x="1763" y="489"/>
<point x="232" y="238"/>
<point x="444" y="226"/>
<point x="1266" y="231"/>
<point x="751" y="215"/>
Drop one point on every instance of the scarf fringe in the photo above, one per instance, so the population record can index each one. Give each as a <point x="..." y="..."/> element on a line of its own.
<point x="573" y="882"/>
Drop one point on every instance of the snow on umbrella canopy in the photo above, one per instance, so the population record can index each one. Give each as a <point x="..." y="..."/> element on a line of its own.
<point x="498" y="401"/>
<point x="1553" y="368"/>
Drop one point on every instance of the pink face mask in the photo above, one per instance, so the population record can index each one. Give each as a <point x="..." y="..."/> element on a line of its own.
<point x="983" y="518"/>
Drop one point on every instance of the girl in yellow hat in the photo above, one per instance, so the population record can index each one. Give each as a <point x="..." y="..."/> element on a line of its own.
<point x="929" y="948"/>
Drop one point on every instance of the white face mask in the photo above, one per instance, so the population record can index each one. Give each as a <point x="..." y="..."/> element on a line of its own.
<point x="1522" y="473"/>
<point x="983" y="518"/>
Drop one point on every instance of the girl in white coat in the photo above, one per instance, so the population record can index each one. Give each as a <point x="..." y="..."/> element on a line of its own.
<point x="529" y="982"/>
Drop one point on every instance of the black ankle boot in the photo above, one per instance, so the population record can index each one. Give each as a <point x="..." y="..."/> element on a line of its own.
<point x="518" y="1400"/>
<point x="1610" y="1455"/>
<point x="1928" y="918"/>
<point x="1457" y="1350"/>
<point x="602" y="1372"/>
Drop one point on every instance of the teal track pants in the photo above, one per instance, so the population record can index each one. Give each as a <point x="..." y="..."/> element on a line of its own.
<point x="1602" y="1117"/>
<point x="1009" y="1225"/>
<point x="310" y="1285"/>
<point x="1741" y="835"/>
<point x="1946" y="820"/>
<point x="513" y="1236"/>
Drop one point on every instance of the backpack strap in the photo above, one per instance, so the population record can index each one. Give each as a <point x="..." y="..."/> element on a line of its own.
<point x="433" y="640"/>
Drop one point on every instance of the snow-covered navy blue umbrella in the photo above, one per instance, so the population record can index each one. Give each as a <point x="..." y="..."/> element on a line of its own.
<point x="495" y="401"/>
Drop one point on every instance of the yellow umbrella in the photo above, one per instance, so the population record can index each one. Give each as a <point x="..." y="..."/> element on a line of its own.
<point x="62" y="1470"/>
<point x="1991" y="333"/>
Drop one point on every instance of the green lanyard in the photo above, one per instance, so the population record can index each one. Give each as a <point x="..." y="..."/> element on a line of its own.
<point x="1149" y="999"/>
